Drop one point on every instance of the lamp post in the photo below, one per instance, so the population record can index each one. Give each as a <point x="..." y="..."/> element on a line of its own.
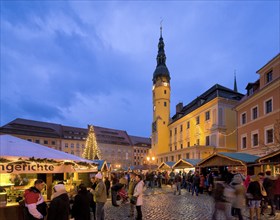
<point x="150" y="161"/>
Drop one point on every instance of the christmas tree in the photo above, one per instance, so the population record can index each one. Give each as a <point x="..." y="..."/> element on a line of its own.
<point x="92" y="151"/>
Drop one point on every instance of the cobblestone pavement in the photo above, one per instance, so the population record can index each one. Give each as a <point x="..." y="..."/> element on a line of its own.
<point x="161" y="204"/>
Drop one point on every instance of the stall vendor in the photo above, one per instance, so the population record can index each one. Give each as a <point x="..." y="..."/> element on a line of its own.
<point x="34" y="201"/>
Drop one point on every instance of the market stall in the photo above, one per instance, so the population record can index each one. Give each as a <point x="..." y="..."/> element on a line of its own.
<point x="270" y="162"/>
<point x="166" y="165"/>
<point x="22" y="162"/>
<point x="228" y="162"/>
<point x="186" y="164"/>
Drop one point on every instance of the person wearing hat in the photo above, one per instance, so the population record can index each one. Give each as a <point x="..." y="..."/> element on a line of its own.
<point x="34" y="201"/>
<point x="59" y="207"/>
<point x="238" y="202"/>
<point x="100" y="197"/>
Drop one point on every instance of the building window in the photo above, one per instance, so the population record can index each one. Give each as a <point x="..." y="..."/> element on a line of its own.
<point x="165" y="91"/>
<point x="254" y="113"/>
<point x="187" y="155"/>
<point x="175" y="147"/>
<point x="170" y="148"/>
<point x="189" y="144"/>
<point x="172" y="158"/>
<point x="243" y="118"/>
<point x="244" y="142"/>
<point x="197" y="120"/>
<point x="175" y="131"/>
<point x="170" y="133"/>
<point x="181" y="146"/>
<point x="207" y="115"/>
<point x="66" y="145"/>
<point x="77" y="145"/>
<point x="188" y="125"/>
<point x="207" y="141"/>
<point x="269" y="77"/>
<point x="197" y="141"/>
<point x="72" y="145"/>
<point x="179" y="156"/>
<point x="46" y="142"/>
<point x="53" y="142"/>
<point x="165" y="104"/>
<point x="269" y="136"/>
<point x="29" y="140"/>
<point x="37" y="141"/>
<point x="255" y="139"/>
<point x="181" y="128"/>
<point x="268" y="106"/>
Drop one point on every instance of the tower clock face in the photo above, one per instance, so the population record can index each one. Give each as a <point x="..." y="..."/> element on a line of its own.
<point x="165" y="84"/>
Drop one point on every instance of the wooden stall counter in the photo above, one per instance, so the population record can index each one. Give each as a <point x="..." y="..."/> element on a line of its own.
<point x="11" y="211"/>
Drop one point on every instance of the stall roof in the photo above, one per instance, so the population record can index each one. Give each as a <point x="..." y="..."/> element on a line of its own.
<point x="234" y="158"/>
<point x="186" y="163"/>
<point x="102" y="165"/>
<point x="11" y="146"/>
<point x="168" y="165"/>
<point x="247" y="158"/>
<point x="273" y="157"/>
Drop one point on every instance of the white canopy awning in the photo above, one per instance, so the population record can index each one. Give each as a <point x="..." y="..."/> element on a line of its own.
<point x="13" y="148"/>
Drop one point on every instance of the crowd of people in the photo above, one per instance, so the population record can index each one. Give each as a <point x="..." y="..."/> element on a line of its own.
<point x="232" y="193"/>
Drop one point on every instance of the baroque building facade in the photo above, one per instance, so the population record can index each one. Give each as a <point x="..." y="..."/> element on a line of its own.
<point x="258" y="113"/>
<point x="116" y="146"/>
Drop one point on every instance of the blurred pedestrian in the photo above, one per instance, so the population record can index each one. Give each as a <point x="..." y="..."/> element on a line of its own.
<point x="195" y="183"/>
<point x="255" y="196"/>
<point x="238" y="203"/>
<point x="108" y="185"/>
<point x="81" y="205"/>
<point x="268" y="184"/>
<point x="59" y="207"/>
<point x="222" y="205"/>
<point x="277" y="192"/>
<point x="100" y="197"/>
<point x="178" y="182"/>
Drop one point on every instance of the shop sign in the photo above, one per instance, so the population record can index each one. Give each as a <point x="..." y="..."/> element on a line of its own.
<point x="33" y="168"/>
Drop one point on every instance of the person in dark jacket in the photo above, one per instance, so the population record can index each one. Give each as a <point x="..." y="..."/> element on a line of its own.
<point x="108" y="185"/>
<point x="195" y="183"/>
<point x="268" y="185"/>
<point x="255" y="196"/>
<point x="59" y="207"/>
<point x="81" y="206"/>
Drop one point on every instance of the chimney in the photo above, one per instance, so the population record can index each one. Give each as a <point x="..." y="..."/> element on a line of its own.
<point x="179" y="107"/>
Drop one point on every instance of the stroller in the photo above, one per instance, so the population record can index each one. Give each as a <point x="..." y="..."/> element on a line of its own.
<point x="122" y="195"/>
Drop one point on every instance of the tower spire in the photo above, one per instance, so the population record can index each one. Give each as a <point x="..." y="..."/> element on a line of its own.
<point x="161" y="69"/>
<point x="235" y="84"/>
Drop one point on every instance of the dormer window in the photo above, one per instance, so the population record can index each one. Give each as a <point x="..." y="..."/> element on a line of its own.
<point x="269" y="77"/>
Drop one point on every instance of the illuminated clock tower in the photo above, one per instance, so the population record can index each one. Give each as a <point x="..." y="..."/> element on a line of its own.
<point x="161" y="103"/>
